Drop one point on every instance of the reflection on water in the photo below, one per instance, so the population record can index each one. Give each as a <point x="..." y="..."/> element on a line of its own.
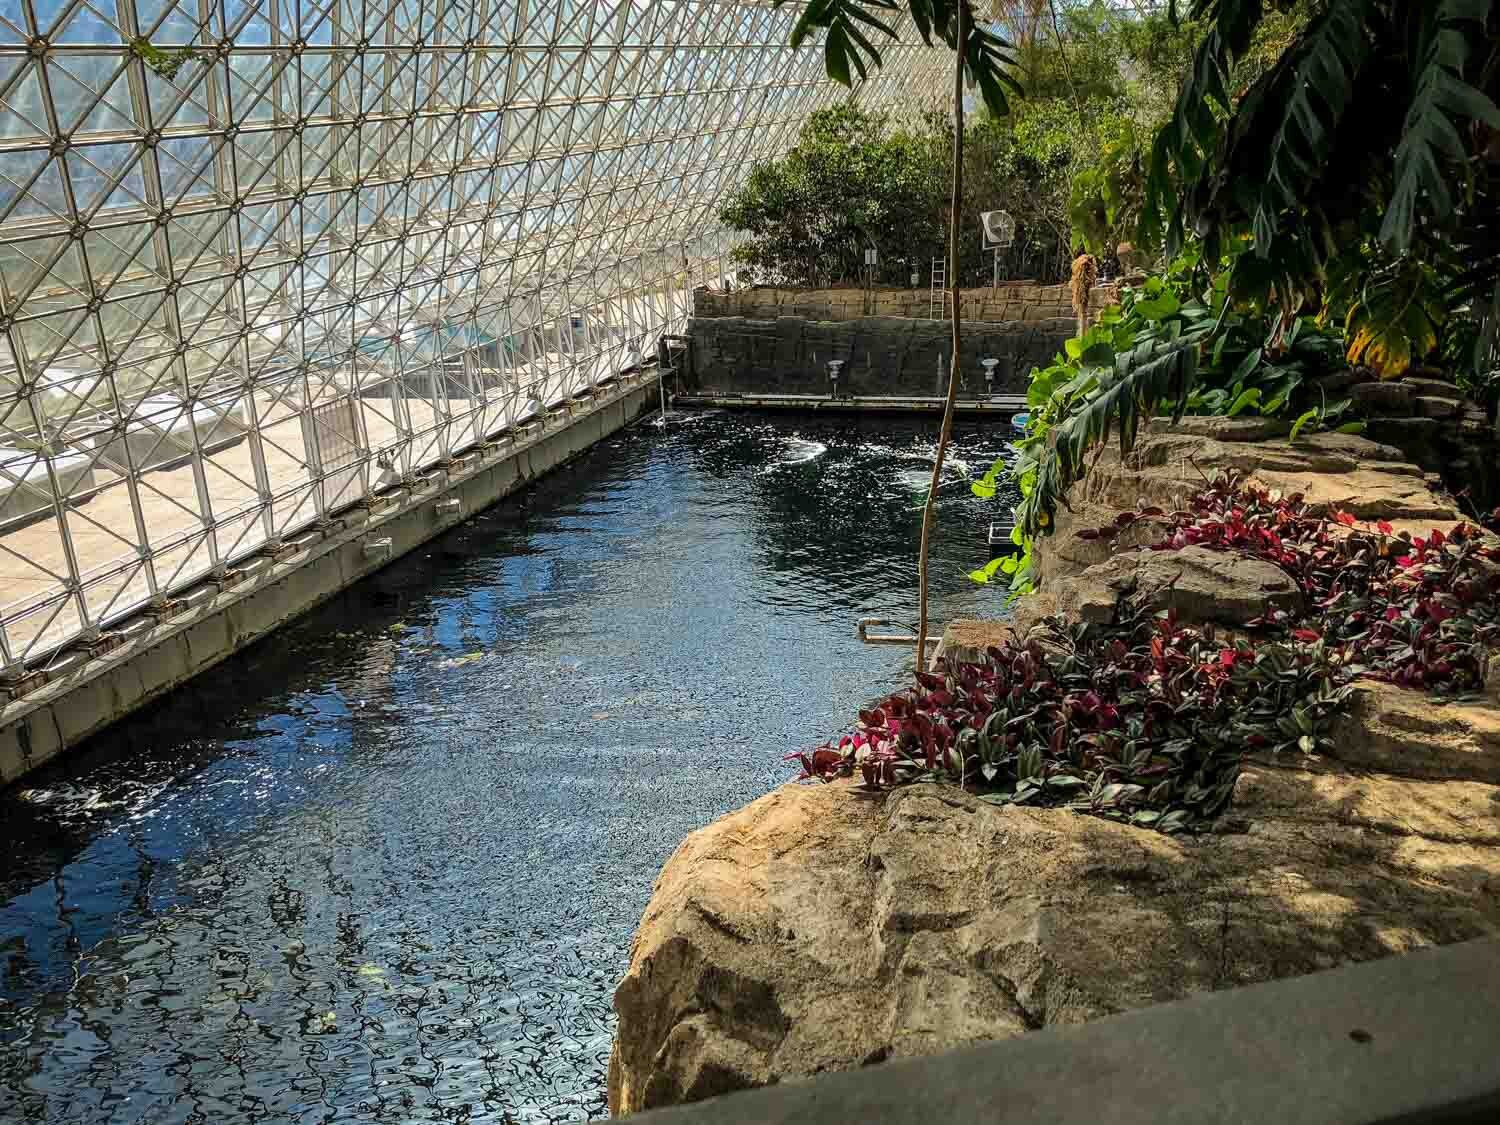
<point x="385" y="866"/>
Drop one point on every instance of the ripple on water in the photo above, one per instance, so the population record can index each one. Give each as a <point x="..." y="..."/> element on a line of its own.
<point x="386" y="866"/>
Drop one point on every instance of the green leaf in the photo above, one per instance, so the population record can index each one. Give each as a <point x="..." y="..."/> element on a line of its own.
<point x="1246" y="399"/>
<point x="989" y="570"/>
<point x="1430" y="141"/>
<point x="1152" y="375"/>
<point x="1159" y="308"/>
<point x="836" y="56"/>
<point x="1245" y="366"/>
<point x="1306" y="417"/>
<point x="1351" y="428"/>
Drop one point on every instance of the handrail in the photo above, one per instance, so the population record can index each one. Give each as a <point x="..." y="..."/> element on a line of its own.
<point x="909" y="641"/>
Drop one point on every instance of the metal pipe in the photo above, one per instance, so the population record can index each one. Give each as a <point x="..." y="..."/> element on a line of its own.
<point x="909" y="641"/>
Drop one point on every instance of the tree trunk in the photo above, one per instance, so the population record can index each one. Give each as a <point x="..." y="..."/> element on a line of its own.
<point x="929" y="510"/>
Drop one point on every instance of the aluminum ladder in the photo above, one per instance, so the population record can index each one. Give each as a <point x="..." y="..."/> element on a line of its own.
<point x="937" y="306"/>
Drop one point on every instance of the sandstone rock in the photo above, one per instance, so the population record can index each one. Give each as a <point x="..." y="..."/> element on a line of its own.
<point x="1394" y="396"/>
<point x="1371" y="479"/>
<point x="1430" y="406"/>
<point x="1409" y="734"/>
<point x="1337" y="382"/>
<point x="1405" y="433"/>
<point x="966" y="639"/>
<point x="1222" y="429"/>
<point x="1202" y="585"/>
<point x="818" y="929"/>
<point x="1442" y="388"/>
<point x="1368" y="494"/>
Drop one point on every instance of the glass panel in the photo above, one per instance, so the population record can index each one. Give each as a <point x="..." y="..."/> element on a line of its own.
<point x="254" y="288"/>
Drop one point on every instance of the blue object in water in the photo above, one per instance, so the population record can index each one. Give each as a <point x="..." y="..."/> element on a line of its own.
<point x="1021" y="421"/>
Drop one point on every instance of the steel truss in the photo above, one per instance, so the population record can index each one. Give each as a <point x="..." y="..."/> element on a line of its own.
<point x="259" y="258"/>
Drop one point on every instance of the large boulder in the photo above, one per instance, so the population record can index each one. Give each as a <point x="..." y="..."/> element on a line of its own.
<point x="823" y="929"/>
<point x="1201" y="584"/>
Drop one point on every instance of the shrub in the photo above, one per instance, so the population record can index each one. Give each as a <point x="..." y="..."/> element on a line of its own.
<point x="1146" y="719"/>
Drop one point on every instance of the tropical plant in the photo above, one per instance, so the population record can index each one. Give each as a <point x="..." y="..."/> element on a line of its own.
<point x="1144" y="719"/>
<point x="986" y="58"/>
<point x="1105" y="196"/>
<point x="1165" y="348"/>
<point x="852" y="180"/>
<point x="1371" y="143"/>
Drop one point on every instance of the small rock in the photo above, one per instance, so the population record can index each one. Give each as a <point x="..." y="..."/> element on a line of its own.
<point x="1442" y="388"/>
<point x="1429" y="406"/>
<point x="1337" y="382"/>
<point x="1220" y="428"/>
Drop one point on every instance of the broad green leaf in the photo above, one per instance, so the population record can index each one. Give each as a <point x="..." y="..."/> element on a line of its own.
<point x="1159" y="308"/>
<point x="1247" y="398"/>
<point x="1304" y="419"/>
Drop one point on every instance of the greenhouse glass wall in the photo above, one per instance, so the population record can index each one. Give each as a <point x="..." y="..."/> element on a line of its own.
<point x="259" y="259"/>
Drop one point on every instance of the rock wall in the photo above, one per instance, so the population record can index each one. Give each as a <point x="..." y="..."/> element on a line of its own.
<point x="821" y="928"/>
<point x="1370" y="479"/>
<point x="1023" y="301"/>
<point x="882" y="355"/>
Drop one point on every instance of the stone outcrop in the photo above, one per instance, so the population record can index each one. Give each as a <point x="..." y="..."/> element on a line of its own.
<point x="822" y="928"/>
<point x="1169" y="463"/>
<point x="1200" y="584"/>
<point x="818" y="929"/>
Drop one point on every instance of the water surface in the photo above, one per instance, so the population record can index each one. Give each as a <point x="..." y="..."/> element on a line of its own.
<point x="385" y="865"/>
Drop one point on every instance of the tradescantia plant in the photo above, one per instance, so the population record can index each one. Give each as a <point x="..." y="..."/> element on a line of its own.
<point x="1145" y="719"/>
<point x="1142" y="720"/>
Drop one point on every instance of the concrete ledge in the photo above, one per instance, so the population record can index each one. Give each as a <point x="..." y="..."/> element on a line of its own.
<point x="1003" y="405"/>
<point x="81" y="692"/>
<point x="1403" y="1040"/>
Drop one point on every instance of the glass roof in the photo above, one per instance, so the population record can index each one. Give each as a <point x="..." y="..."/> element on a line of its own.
<point x="232" y="232"/>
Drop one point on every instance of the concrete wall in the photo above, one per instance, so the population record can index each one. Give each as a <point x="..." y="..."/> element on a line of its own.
<point x="82" y="692"/>
<point x="1010" y="301"/>
<point x="882" y="355"/>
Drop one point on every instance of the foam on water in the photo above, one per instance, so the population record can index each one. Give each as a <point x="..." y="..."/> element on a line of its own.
<point x="797" y="451"/>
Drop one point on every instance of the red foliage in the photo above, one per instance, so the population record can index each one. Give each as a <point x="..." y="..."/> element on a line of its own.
<point x="1144" y="719"/>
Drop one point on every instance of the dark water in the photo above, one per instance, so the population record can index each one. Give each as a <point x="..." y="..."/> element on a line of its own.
<point x="385" y="866"/>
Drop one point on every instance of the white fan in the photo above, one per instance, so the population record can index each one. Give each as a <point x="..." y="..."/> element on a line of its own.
<point x="999" y="229"/>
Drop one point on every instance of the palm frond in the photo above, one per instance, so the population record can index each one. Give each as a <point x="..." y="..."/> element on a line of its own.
<point x="1155" y="375"/>
<point x="848" y="49"/>
<point x="1430" y="143"/>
